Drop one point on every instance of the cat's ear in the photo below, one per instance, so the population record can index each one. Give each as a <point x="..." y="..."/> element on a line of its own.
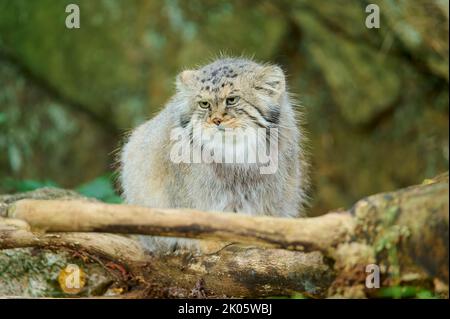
<point x="271" y="80"/>
<point x="186" y="79"/>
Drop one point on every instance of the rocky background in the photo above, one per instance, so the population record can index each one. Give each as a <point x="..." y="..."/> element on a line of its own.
<point x="375" y="101"/>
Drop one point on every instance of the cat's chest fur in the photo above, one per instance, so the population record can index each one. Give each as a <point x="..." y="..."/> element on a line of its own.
<point x="226" y="188"/>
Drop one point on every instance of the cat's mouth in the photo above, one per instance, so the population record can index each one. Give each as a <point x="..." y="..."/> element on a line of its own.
<point x="224" y="125"/>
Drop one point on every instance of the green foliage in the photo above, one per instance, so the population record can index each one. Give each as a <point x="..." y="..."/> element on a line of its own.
<point x="399" y="292"/>
<point x="25" y="185"/>
<point x="295" y="295"/>
<point x="100" y="188"/>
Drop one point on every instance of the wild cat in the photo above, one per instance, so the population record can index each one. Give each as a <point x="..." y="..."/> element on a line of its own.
<point x="231" y="96"/>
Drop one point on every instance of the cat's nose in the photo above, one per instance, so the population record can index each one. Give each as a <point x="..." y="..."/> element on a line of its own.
<point x="217" y="120"/>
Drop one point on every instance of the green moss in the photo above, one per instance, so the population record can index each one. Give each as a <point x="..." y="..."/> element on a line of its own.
<point x="32" y="272"/>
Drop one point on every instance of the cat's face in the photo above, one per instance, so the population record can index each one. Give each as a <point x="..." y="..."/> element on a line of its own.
<point x="230" y="108"/>
<point x="230" y="94"/>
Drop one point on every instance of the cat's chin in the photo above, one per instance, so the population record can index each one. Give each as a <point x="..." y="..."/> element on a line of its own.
<point x="229" y="152"/>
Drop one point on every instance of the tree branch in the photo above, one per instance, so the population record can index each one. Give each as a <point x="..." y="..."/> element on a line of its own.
<point x="319" y="233"/>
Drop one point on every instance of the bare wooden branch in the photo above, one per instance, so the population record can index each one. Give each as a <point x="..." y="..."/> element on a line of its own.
<point x="231" y="271"/>
<point x="319" y="233"/>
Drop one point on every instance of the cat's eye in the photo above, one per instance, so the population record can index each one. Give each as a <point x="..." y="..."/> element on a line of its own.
<point x="204" y="104"/>
<point x="232" y="100"/>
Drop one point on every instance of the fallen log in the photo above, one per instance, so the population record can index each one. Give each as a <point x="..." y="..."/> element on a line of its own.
<point x="319" y="233"/>
<point x="231" y="271"/>
<point x="405" y="233"/>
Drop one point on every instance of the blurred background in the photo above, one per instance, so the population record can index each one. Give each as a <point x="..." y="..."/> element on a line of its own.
<point x="376" y="100"/>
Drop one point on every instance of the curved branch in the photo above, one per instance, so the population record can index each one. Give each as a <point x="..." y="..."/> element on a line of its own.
<point x="318" y="233"/>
